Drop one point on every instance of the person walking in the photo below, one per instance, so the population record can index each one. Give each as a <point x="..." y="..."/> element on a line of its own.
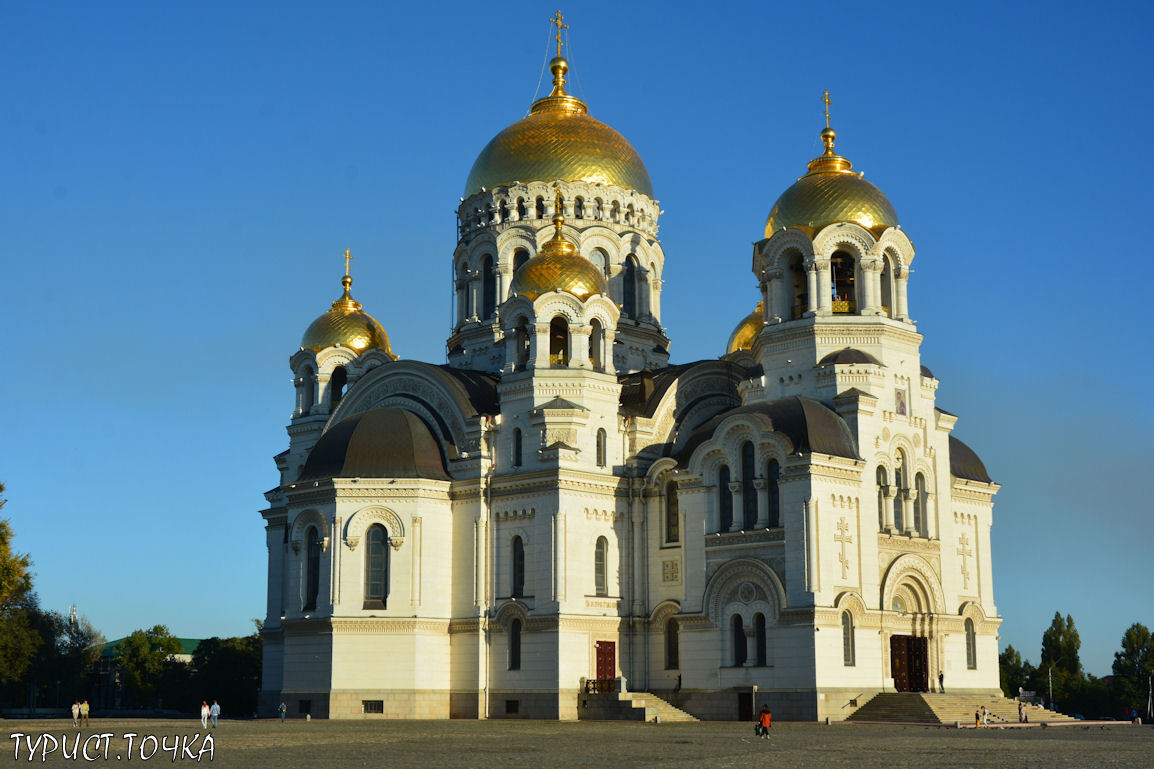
<point x="1021" y="712"/>
<point x="985" y="716"/>
<point x="283" y="709"/>
<point x="204" y="714"/>
<point x="977" y="718"/>
<point x="84" y="713"/>
<point x="214" y="712"/>
<point x="941" y="682"/>
<point x="76" y="714"/>
<point x="764" y="722"/>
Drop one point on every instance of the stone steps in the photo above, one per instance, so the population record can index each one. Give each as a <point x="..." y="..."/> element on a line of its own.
<point x="629" y="706"/>
<point x="947" y="709"/>
<point x="655" y="707"/>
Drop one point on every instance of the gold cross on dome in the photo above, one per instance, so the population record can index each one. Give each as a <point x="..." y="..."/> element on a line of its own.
<point x="348" y="256"/>
<point x="828" y="101"/>
<point x="558" y="21"/>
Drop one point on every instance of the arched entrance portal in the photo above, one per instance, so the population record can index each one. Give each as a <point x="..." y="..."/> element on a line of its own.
<point x="910" y="597"/>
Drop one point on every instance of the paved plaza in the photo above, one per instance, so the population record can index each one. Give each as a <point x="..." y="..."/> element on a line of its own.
<point x="545" y="744"/>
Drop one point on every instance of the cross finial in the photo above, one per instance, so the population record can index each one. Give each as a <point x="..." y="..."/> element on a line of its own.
<point x="828" y="101"/>
<point x="348" y="256"/>
<point x="558" y="21"/>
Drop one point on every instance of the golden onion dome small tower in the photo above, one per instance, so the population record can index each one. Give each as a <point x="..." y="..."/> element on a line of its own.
<point x="347" y="325"/>
<point x="746" y="332"/>
<point x="829" y="193"/>
<point x="558" y="139"/>
<point x="558" y="266"/>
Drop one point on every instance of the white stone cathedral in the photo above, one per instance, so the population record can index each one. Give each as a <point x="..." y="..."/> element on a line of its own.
<point x="560" y="512"/>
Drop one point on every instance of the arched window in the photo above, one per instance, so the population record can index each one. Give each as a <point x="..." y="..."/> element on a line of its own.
<point x="672" y="652"/>
<point x="601" y="446"/>
<point x="376" y="567"/>
<point x="540" y="208"/>
<point x="312" y="568"/>
<point x="503" y="211"/>
<point x="724" y="499"/>
<point x="520" y="256"/>
<point x="516" y="447"/>
<point x="615" y="212"/>
<point x="971" y="645"/>
<point x="748" y="493"/>
<point x="337" y="384"/>
<point x="579" y="208"/>
<point x="515" y="645"/>
<point x="600" y="559"/>
<point x="881" y="480"/>
<point x="740" y="652"/>
<point x="629" y="214"/>
<point x="772" y="479"/>
<point x="596" y="346"/>
<point x="629" y="287"/>
<point x="759" y="634"/>
<point x="901" y="483"/>
<point x="308" y="390"/>
<point x="521" y="341"/>
<point x="488" y="288"/>
<point x="848" y="655"/>
<point x="844" y="267"/>
<point x="920" y="524"/>
<point x="887" y="287"/>
<point x="559" y="342"/>
<point x="521" y="208"/>
<point x="518" y="568"/>
<point x="672" y="514"/>
<point x="599" y="258"/>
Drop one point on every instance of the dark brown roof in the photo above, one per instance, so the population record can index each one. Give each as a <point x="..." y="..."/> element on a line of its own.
<point x="642" y="391"/>
<point x="849" y="355"/>
<point x="380" y="443"/>
<point x="806" y="422"/>
<point x="964" y="463"/>
<point x="927" y="373"/>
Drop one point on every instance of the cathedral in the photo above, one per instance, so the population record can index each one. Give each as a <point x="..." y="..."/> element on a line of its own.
<point x="559" y="514"/>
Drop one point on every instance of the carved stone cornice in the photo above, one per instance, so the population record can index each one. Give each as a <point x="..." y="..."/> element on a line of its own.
<point x="734" y="538"/>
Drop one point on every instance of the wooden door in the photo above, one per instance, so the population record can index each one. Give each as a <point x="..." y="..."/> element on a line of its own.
<point x="606" y="664"/>
<point x="899" y="662"/>
<point x="918" y="650"/>
<point x="745" y="706"/>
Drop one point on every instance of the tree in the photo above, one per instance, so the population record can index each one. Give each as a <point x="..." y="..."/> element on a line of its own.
<point x="1060" y="645"/>
<point x="1134" y="665"/>
<point x="142" y="655"/>
<point x="1015" y="673"/>
<point x="18" y="640"/>
<point x="228" y="669"/>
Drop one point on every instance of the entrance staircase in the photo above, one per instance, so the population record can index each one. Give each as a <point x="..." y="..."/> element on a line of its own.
<point x="629" y="706"/>
<point x="923" y="708"/>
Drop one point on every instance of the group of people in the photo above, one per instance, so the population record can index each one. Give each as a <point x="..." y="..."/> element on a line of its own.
<point x="207" y="713"/>
<point x="80" y="713"/>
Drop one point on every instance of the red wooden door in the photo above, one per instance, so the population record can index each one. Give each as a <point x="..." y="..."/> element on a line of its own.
<point x="899" y="662"/>
<point x="606" y="663"/>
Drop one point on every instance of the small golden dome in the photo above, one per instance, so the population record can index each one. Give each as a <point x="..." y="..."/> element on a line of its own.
<point x="559" y="140"/>
<point x="747" y="330"/>
<point x="558" y="266"/>
<point x="347" y="325"/>
<point x="831" y="192"/>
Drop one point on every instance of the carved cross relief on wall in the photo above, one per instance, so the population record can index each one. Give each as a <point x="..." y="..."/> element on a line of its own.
<point x="964" y="550"/>
<point x="844" y="537"/>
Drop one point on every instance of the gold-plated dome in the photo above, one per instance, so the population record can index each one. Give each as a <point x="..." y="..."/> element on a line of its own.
<point x="559" y="140"/>
<point x="347" y="325"/>
<point x="558" y="266"/>
<point x="831" y="192"/>
<point x="747" y="330"/>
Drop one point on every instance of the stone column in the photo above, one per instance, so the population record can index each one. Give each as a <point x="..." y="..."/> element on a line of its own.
<point x="762" y="486"/>
<point x="928" y="511"/>
<point x="510" y="351"/>
<point x="539" y="346"/>
<point x="903" y="310"/>
<point x="825" y="303"/>
<point x="907" y="496"/>
<point x="735" y="491"/>
<point x="888" y="508"/>
<point x="811" y="287"/>
<point x="750" y="646"/>
<point x="609" y="335"/>
<point x="579" y="347"/>
<point x="872" y="288"/>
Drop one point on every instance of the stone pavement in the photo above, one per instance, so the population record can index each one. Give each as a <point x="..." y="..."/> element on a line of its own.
<point x="550" y="744"/>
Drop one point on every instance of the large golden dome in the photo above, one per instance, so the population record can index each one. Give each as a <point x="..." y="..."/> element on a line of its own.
<point x="559" y="140"/>
<point x="831" y="192"/>
<point x="747" y="330"/>
<point x="347" y="325"/>
<point x="558" y="266"/>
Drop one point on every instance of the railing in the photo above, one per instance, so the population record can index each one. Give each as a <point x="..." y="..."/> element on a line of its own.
<point x="844" y="306"/>
<point x="600" y="685"/>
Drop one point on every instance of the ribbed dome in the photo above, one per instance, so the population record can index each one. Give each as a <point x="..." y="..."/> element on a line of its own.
<point x="831" y="192"/>
<point x="558" y="266"/>
<point x="747" y="330"/>
<point x="380" y="443"/>
<point x="347" y="325"/>
<point x="559" y="140"/>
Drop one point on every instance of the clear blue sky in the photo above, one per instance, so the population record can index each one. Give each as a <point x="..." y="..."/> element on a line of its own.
<point x="177" y="181"/>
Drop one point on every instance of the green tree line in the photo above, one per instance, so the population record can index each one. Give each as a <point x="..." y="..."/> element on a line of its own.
<point x="1075" y="691"/>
